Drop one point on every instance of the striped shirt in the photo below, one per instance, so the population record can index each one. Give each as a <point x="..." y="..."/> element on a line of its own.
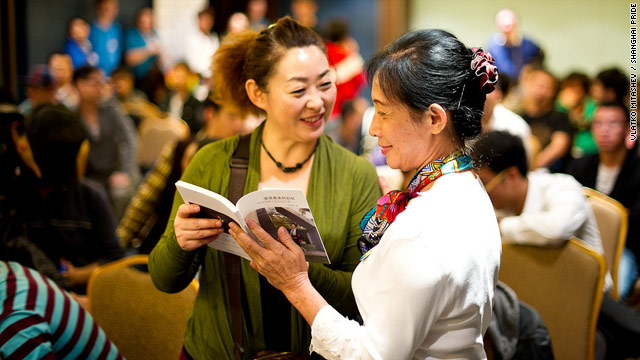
<point x="41" y="321"/>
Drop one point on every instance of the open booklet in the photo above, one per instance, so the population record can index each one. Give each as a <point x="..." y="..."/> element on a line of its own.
<point x="271" y="208"/>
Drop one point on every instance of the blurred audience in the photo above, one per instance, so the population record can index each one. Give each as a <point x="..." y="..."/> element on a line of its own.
<point x="39" y="89"/>
<point x="549" y="126"/>
<point x="237" y="22"/>
<point x="257" y="14"/>
<point x="497" y="117"/>
<point x="62" y="72"/>
<point x="509" y="48"/>
<point x="112" y="138"/>
<point x="344" y="57"/>
<point x="305" y="12"/>
<point x="106" y="35"/>
<point x="78" y="45"/>
<point x="124" y="85"/>
<point x="610" y="85"/>
<point x="574" y="99"/>
<point x="615" y="172"/>
<point x="148" y="212"/>
<point x="202" y="43"/>
<point x="350" y="129"/>
<point x="142" y="45"/>
<point x="73" y="223"/>
<point x="180" y="102"/>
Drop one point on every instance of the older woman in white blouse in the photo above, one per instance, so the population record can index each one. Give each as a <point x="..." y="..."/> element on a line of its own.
<point x="431" y="253"/>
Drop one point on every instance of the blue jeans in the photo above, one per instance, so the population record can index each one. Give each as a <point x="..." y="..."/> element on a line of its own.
<point x="627" y="273"/>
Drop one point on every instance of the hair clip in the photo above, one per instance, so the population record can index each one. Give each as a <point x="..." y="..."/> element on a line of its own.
<point x="482" y="65"/>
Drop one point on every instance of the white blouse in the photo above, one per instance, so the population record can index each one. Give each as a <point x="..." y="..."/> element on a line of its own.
<point x="426" y="291"/>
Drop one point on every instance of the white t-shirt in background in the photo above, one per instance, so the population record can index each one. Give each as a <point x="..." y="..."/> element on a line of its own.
<point x="606" y="178"/>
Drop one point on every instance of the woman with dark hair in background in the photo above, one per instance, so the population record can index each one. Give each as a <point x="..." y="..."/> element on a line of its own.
<point x="431" y="253"/>
<point x="72" y="223"/>
<point x="282" y="72"/>
<point x="48" y="210"/>
<point x="18" y="189"/>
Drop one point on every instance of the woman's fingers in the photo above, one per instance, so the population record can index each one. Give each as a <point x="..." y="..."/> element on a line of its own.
<point x="246" y="242"/>
<point x="186" y="210"/>
<point x="264" y="237"/>
<point x="192" y="233"/>
<point x="286" y="240"/>
<point x="190" y="245"/>
<point x="197" y="224"/>
<point x="201" y="234"/>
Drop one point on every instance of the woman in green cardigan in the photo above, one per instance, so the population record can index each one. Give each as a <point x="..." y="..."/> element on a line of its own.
<point x="282" y="72"/>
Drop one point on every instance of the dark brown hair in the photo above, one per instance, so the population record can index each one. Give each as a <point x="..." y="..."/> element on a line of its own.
<point x="250" y="55"/>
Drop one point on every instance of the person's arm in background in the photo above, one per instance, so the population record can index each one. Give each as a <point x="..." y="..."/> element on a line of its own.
<point x="565" y="212"/>
<point x="558" y="147"/>
<point x="560" y="143"/>
<point x="78" y="58"/>
<point x="137" y="51"/>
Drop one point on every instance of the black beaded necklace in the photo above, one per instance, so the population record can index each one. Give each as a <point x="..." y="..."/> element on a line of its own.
<point x="292" y="168"/>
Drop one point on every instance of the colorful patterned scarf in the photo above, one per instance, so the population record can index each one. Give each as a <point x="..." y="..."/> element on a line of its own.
<point x="378" y="219"/>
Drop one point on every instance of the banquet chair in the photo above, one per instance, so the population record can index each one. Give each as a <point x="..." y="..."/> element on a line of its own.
<point x="143" y="322"/>
<point x="155" y="133"/>
<point x="612" y="221"/>
<point x="564" y="284"/>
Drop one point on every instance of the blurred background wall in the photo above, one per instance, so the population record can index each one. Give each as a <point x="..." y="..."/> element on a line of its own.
<point x="585" y="35"/>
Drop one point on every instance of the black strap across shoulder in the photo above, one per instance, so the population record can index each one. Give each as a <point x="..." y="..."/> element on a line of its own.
<point x="239" y="165"/>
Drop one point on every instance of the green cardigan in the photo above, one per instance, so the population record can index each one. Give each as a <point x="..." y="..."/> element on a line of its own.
<point x="342" y="188"/>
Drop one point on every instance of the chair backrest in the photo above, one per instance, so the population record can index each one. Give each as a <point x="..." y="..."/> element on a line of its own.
<point x="143" y="322"/>
<point x="612" y="219"/>
<point x="155" y="133"/>
<point x="564" y="284"/>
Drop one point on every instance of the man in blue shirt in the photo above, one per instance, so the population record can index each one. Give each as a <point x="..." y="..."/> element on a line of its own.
<point x="106" y="35"/>
<point x="509" y="48"/>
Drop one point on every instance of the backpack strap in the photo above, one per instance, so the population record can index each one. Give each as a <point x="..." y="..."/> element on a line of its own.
<point x="239" y="165"/>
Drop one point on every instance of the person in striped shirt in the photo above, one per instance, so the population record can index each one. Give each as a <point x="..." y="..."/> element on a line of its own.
<point x="39" y="320"/>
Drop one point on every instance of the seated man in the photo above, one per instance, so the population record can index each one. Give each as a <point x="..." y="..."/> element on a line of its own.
<point x="610" y="85"/>
<point x="536" y="208"/>
<point x="543" y="209"/>
<point x="39" y="89"/>
<point x="551" y="127"/>
<point x="39" y="328"/>
<point x="615" y="172"/>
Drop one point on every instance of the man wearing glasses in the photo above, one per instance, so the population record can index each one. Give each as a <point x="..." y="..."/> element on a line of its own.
<point x="615" y="172"/>
<point x="534" y="208"/>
